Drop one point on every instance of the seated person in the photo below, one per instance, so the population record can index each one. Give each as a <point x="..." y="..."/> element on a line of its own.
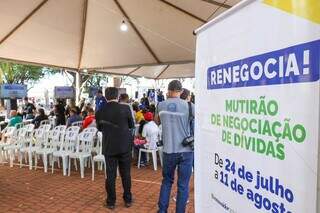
<point x="40" y="117"/>
<point x="74" y="117"/>
<point x="14" y="118"/>
<point x="90" y="120"/>
<point x="150" y="134"/>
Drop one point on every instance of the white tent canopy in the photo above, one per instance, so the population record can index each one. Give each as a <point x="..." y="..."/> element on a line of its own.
<point x="85" y="34"/>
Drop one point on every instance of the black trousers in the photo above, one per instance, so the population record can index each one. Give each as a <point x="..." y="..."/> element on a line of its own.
<point x="124" y="163"/>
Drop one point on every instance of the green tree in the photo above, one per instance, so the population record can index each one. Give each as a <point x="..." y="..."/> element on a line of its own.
<point x="13" y="73"/>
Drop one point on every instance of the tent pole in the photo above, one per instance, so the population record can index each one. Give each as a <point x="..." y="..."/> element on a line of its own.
<point x="78" y="84"/>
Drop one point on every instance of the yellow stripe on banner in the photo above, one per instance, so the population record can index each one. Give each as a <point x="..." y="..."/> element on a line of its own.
<point x="309" y="9"/>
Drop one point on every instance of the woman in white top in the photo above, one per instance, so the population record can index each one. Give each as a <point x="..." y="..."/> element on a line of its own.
<point x="150" y="134"/>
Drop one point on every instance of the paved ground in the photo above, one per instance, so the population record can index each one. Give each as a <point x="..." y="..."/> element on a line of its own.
<point x="22" y="190"/>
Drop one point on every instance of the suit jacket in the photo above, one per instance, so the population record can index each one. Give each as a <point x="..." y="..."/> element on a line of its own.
<point x="115" y="121"/>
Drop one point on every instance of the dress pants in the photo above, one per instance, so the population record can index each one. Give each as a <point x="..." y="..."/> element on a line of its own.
<point x="124" y="163"/>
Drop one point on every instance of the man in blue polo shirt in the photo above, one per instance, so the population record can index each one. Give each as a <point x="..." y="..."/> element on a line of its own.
<point x="174" y="116"/>
<point x="100" y="100"/>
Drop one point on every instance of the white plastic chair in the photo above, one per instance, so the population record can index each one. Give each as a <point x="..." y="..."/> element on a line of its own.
<point x="6" y="135"/>
<point x="18" y="137"/>
<point x="77" y="123"/>
<point x="154" y="156"/>
<point x="99" y="157"/>
<point x="83" y="150"/>
<point x="50" y="145"/>
<point x="67" y="146"/>
<point x="27" y="143"/>
<point x="35" y="143"/>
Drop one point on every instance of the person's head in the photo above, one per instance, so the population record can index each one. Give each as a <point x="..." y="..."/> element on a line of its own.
<point x="148" y="116"/>
<point x="174" y="89"/>
<point x="124" y="98"/>
<point x="26" y="100"/>
<point x="73" y="111"/>
<point x="13" y="113"/>
<point x="144" y="95"/>
<point x="90" y="111"/>
<point x="99" y="93"/>
<point x="111" y="93"/>
<point x="135" y="106"/>
<point x="41" y="111"/>
<point x="185" y="95"/>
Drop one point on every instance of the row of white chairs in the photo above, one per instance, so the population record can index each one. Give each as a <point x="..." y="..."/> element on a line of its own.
<point x="51" y="145"/>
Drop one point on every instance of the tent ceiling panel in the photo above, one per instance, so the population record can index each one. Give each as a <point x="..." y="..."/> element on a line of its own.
<point x="201" y="9"/>
<point x="106" y="44"/>
<point x="149" y="71"/>
<point x="12" y="12"/>
<point x="47" y="37"/>
<point x="86" y="34"/>
<point x="120" y="71"/>
<point x="178" y="71"/>
<point x="163" y="22"/>
<point x="167" y="50"/>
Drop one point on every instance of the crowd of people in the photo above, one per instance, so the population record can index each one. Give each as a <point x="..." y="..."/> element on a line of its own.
<point x="126" y="124"/>
<point x="171" y="119"/>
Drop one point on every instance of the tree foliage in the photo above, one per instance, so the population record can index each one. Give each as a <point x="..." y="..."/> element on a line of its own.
<point x="13" y="73"/>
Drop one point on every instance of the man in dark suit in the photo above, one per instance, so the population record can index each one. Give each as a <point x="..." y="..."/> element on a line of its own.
<point x="115" y="121"/>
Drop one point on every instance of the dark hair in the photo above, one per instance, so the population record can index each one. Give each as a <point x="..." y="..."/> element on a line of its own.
<point x="90" y="109"/>
<point x="185" y="93"/>
<point x="41" y="111"/>
<point x="74" y="110"/>
<point x="123" y="97"/>
<point x="175" y="86"/>
<point x="99" y="91"/>
<point x="135" y="106"/>
<point x="111" y="93"/>
<point x="26" y="98"/>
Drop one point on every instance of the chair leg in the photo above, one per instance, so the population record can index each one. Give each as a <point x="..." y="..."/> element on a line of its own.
<point x="92" y="170"/>
<point x="11" y="156"/>
<point x="45" y="162"/>
<point x="52" y="166"/>
<point x="105" y="168"/>
<point x="35" y="161"/>
<point x="154" y="159"/>
<point x="20" y="159"/>
<point x="30" y="159"/>
<point x="64" y="165"/>
<point x="69" y="167"/>
<point x="81" y="167"/>
<point x="139" y="158"/>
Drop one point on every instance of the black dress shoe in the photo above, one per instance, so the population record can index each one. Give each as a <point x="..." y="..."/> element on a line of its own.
<point x="128" y="204"/>
<point x="111" y="207"/>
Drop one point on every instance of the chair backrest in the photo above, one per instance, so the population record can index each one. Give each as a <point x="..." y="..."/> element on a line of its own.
<point x="19" y="125"/>
<point x="92" y="130"/>
<point x="30" y="130"/>
<point x="55" y="136"/>
<point x="77" y="123"/>
<point x="41" y="133"/>
<point x="52" y="121"/>
<point x="70" y="139"/>
<point x="99" y="144"/>
<point x="43" y="122"/>
<point x="7" y="132"/>
<point x="19" y="135"/>
<point x="85" y="142"/>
